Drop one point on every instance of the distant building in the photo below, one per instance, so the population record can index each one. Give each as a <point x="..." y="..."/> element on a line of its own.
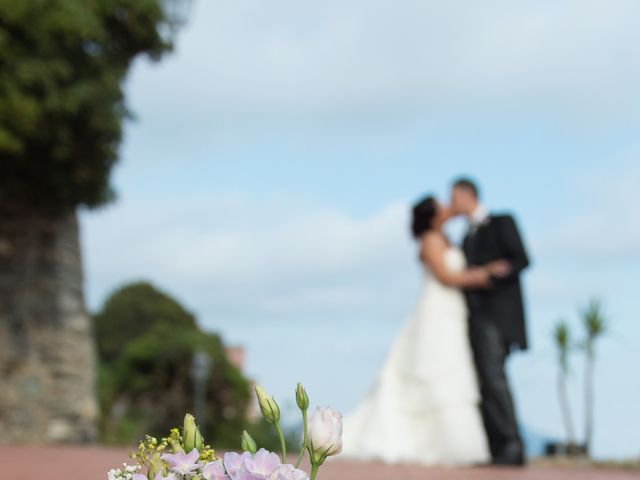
<point x="237" y="357"/>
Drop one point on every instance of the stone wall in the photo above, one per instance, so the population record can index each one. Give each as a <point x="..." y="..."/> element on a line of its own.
<point x="47" y="359"/>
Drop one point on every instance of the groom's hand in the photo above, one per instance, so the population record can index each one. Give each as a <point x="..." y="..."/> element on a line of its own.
<point x="479" y="277"/>
<point x="499" y="268"/>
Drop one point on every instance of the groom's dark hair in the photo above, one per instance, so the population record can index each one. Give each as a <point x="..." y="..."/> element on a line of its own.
<point x="467" y="183"/>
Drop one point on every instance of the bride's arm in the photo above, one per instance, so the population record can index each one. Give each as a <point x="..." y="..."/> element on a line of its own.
<point x="433" y="250"/>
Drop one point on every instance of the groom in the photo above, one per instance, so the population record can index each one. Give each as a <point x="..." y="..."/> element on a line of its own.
<point x="496" y="316"/>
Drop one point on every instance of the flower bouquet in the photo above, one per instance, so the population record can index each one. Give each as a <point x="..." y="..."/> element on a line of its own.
<point x="183" y="455"/>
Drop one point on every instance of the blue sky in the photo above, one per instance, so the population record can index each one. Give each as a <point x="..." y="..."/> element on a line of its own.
<point x="267" y="178"/>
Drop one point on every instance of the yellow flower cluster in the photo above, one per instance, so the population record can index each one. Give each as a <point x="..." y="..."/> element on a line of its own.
<point x="207" y="454"/>
<point x="150" y="448"/>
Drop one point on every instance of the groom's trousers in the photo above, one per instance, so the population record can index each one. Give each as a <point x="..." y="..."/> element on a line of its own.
<point x="490" y="352"/>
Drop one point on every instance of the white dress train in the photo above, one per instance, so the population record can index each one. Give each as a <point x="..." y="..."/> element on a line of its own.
<point x="424" y="405"/>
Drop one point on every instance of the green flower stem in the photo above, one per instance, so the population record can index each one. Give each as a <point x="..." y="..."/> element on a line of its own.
<point x="303" y="447"/>
<point x="283" y="446"/>
<point x="314" y="471"/>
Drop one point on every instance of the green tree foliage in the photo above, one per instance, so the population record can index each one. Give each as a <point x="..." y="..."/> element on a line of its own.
<point x="130" y="312"/>
<point x="145" y="383"/>
<point x="62" y="68"/>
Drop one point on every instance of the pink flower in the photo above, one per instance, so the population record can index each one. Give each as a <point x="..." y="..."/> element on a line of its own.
<point x="288" y="472"/>
<point x="214" y="471"/>
<point x="244" y="475"/>
<point x="263" y="463"/>
<point x="183" y="463"/>
<point x="138" y="476"/>
<point x="234" y="461"/>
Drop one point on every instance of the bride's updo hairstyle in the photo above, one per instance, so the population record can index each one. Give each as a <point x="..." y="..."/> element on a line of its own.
<point x="424" y="213"/>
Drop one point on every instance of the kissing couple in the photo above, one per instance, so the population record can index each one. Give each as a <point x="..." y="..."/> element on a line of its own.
<point x="442" y="395"/>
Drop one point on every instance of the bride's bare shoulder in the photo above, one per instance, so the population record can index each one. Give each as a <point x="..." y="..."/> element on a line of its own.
<point x="434" y="239"/>
<point x="433" y="242"/>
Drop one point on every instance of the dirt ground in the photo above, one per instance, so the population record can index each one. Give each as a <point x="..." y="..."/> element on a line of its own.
<point x="92" y="463"/>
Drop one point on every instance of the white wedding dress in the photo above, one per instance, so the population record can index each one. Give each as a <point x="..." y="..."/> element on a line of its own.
<point x="424" y="405"/>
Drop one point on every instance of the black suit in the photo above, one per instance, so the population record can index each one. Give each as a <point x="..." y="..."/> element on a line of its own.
<point x="496" y="324"/>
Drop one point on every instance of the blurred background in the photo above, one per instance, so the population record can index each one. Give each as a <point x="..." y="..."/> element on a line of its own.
<point x="262" y="192"/>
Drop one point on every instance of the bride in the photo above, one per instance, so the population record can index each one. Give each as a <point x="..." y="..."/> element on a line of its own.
<point x="424" y="405"/>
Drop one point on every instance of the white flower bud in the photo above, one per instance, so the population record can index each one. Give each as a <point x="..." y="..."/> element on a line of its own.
<point x="325" y="434"/>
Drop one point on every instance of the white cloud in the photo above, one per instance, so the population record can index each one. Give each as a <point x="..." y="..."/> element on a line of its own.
<point x="606" y="227"/>
<point x="258" y="61"/>
<point x="285" y="254"/>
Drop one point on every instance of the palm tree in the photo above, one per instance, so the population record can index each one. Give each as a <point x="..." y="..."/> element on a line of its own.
<point x="562" y="339"/>
<point x="595" y="326"/>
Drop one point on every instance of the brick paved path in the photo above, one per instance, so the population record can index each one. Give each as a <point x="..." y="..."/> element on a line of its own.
<point x="92" y="463"/>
